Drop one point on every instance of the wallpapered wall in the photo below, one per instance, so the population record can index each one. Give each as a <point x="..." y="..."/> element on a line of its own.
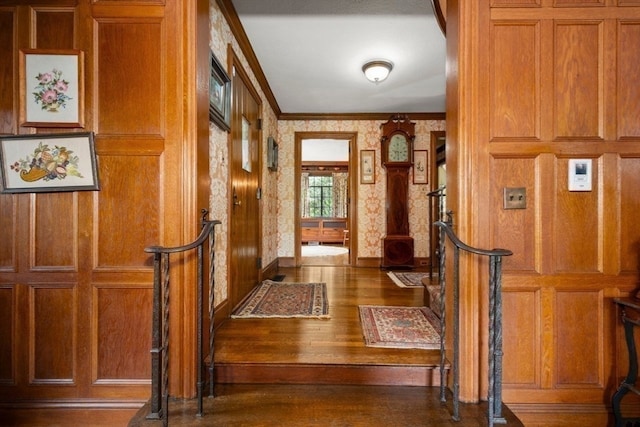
<point x="371" y="197"/>
<point x="220" y="38"/>
<point x="278" y="187"/>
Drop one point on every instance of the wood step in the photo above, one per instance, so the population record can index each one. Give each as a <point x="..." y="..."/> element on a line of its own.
<point x="309" y="373"/>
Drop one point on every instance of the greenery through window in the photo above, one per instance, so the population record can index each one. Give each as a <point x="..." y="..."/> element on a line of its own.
<point x="320" y="196"/>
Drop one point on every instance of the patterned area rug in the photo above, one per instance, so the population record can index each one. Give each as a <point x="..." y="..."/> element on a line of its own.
<point x="282" y="299"/>
<point x="408" y="279"/>
<point x="400" y="327"/>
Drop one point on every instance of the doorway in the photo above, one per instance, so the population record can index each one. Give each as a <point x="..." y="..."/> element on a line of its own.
<point x="324" y="190"/>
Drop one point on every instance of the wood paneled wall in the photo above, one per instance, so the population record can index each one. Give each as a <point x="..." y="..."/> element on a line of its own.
<point x="548" y="81"/>
<point x="75" y="283"/>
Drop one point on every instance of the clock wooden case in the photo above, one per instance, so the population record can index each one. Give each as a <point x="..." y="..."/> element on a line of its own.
<point x="397" y="139"/>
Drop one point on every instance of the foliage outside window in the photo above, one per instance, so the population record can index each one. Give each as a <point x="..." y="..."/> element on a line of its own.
<point x="324" y="195"/>
<point x="320" y="196"/>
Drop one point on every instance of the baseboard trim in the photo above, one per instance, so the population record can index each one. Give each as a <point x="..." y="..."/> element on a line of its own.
<point x="75" y="404"/>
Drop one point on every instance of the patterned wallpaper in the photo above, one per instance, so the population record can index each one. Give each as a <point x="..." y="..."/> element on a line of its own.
<point x="220" y="38"/>
<point x="371" y="197"/>
<point x="277" y="207"/>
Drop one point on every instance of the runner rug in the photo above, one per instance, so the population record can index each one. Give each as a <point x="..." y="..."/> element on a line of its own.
<point x="407" y="279"/>
<point x="400" y="327"/>
<point x="282" y="299"/>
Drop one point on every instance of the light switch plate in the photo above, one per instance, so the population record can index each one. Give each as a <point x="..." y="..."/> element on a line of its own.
<point x="515" y="198"/>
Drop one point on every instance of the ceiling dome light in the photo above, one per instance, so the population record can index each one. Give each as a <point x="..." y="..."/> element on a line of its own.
<point x="377" y="71"/>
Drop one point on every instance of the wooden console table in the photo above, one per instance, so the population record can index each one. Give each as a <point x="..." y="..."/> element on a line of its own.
<point x="630" y="315"/>
<point x="323" y="230"/>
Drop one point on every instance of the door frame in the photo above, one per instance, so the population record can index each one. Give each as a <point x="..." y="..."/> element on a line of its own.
<point x="352" y="222"/>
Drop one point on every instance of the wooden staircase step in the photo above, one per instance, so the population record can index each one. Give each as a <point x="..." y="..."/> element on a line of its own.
<point x="310" y="373"/>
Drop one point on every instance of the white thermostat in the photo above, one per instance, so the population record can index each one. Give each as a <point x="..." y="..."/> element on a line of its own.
<point x="580" y="172"/>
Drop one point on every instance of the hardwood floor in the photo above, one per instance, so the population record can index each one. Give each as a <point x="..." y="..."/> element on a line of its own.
<point x="323" y="406"/>
<point x="324" y="351"/>
<point x="307" y="372"/>
<point x="318" y="372"/>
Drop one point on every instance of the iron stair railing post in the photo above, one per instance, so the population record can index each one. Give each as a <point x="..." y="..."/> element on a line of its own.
<point x="211" y="311"/>
<point x="443" y="323"/>
<point x="456" y="333"/>
<point x="200" y="307"/>
<point x="159" y="405"/>
<point x="156" y="344"/>
<point x="495" y="322"/>
<point x="495" y="341"/>
<point x="165" y="338"/>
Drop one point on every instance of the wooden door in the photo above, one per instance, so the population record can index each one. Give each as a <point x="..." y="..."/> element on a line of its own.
<point x="244" y="169"/>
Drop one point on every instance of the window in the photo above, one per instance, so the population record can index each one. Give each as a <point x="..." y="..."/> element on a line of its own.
<point x="320" y="196"/>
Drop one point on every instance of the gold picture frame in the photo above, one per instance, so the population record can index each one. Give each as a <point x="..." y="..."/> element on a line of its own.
<point x="51" y="88"/>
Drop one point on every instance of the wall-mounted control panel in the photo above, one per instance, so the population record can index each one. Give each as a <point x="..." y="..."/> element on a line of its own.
<point x="580" y="173"/>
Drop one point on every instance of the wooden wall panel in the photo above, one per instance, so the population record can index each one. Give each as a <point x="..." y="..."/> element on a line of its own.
<point x="52" y="333"/>
<point x="7" y="342"/>
<point x="577" y="228"/>
<point x="578" y="80"/>
<point x="576" y="3"/>
<point x="122" y="333"/>
<point x="55" y="231"/>
<point x="628" y="108"/>
<point x="579" y="355"/>
<point x="514" y="228"/>
<point x="7" y="232"/>
<point x="7" y="43"/>
<point x="519" y="3"/>
<point x="75" y="297"/>
<point x="54" y="27"/>
<point x="515" y="80"/>
<point x="130" y="74"/>
<point x="521" y="338"/>
<point x="629" y="214"/>
<point x="128" y="211"/>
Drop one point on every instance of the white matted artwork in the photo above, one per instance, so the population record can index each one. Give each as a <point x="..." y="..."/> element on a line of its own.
<point x="246" y="149"/>
<point x="51" y="88"/>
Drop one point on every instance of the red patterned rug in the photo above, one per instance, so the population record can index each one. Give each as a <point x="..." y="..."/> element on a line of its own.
<point x="400" y="327"/>
<point x="282" y="299"/>
<point x="407" y="279"/>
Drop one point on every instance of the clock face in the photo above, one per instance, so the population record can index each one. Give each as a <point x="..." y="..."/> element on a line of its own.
<point x="398" y="148"/>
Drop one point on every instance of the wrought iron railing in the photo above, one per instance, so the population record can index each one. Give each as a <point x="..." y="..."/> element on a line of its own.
<point x="437" y="212"/>
<point x="495" y="321"/>
<point x="159" y="404"/>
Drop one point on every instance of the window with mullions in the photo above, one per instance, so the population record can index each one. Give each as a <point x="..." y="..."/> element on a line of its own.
<point x="320" y="196"/>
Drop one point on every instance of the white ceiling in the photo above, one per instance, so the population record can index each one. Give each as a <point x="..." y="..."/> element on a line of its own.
<point x="312" y="52"/>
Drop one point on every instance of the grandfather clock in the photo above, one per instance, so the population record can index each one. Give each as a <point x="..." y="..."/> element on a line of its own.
<point x="397" y="157"/>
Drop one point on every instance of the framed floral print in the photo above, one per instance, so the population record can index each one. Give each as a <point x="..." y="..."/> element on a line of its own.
<point x="51" y="88"/>
<point x="41" y="163"/>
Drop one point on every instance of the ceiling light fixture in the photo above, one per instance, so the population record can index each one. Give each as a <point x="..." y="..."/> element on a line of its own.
<point x="377" y="71"/>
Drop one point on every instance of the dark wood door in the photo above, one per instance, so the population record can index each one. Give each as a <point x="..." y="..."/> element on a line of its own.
<point x="245" y="172"/>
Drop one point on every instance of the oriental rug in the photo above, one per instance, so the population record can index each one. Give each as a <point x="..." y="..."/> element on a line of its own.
<point x="407" y="279"/>
<point x="399" y="327"/>
<point x="284" y="299"/>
